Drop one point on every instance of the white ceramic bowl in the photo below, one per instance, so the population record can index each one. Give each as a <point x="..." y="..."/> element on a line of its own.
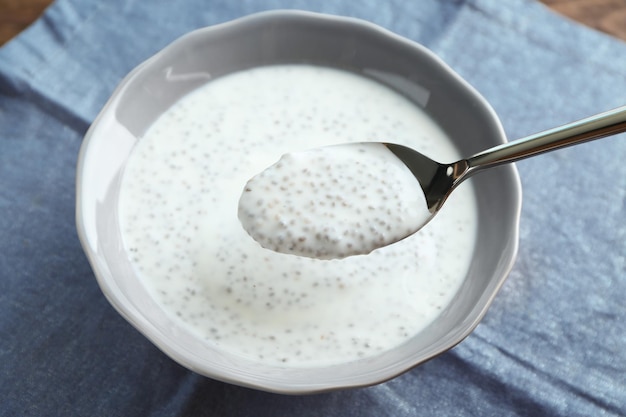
<point x="293" y="37"/>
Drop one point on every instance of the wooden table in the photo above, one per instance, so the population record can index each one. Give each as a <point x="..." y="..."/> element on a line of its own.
<point x="608" y="16"/>
<point x="605" y="15"/>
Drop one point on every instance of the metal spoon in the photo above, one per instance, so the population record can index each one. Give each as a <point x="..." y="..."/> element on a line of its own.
<point x="439" y="180"/>
<point x="273" y="211"/>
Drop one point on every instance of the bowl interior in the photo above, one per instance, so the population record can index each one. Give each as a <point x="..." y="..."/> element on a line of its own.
<point x="293" y="37"/>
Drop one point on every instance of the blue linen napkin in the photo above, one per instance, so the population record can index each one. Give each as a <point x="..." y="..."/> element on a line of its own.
<point x="553" y="343"/>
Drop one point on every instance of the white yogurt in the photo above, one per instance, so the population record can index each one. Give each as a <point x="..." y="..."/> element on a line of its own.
<point x="178" y="213"/>
<point x="333" y="202"/>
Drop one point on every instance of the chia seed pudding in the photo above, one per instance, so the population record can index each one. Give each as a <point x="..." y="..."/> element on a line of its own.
<point x="179" y="222"/>
<point x="333" y="202"/>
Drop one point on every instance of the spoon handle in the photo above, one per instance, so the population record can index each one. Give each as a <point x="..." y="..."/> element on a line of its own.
<point x="594" y="127"/>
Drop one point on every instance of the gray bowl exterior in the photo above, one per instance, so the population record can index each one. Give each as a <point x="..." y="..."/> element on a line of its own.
<point x="295" y="37"/>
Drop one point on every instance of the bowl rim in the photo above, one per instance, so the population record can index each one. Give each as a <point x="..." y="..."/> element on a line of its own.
<point x="120" y="302"/>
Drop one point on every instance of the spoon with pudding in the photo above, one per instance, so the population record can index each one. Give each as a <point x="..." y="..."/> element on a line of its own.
<point x="350" y="199"/>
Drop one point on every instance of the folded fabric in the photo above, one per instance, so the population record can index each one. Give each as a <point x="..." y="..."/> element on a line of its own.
<point x="551" y="344"/>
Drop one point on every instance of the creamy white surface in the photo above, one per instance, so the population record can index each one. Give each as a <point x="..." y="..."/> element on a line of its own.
<point x="178" y="214"/>
<point x="334" y="201"/>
